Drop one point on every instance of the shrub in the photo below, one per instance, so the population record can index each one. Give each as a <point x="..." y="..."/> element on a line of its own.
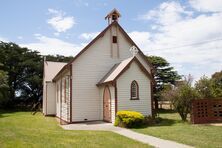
<point x="182" y="99"/>
<point x="129" y="119"/>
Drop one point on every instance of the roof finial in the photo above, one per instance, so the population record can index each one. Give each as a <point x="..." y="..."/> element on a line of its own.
<point x="113" y="16"/>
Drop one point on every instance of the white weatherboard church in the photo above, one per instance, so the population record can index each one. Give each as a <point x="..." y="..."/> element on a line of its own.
<point x="110" y="74"/>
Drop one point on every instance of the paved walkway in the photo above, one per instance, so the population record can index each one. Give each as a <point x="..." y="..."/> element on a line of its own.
<point x="156" y="142"/>
<point x="215" y="124"/>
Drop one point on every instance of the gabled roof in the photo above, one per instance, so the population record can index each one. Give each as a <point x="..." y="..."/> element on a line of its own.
<point x="114" y="11"/>
<point x="51" y="69"/>
<point x="96" y="38"/>
<point x="120" y="68"/>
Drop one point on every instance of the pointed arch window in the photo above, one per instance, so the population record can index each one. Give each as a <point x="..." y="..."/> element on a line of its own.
<point x="134" y="91"/>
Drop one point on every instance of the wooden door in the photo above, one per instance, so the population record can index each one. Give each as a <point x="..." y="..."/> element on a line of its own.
<point x="107" y="104"/>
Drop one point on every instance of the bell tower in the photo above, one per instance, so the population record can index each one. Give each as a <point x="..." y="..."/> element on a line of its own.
<point x="113" y="16"/>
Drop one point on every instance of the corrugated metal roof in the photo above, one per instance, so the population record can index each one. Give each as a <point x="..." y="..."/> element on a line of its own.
<point x="51" y="69"/>
<point x="115" y="71"/>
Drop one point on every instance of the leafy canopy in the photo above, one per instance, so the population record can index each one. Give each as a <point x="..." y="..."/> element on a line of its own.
<point x="210" y="87"/>
<point x="24" y="69"/>
<point x="164" y="73"/>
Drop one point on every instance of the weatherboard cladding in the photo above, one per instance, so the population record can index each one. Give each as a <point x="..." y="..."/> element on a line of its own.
<point x="119" y="68"/>
<point x="88" y="69"/>
<point x="62" y="106"/>
<point x="50" y="70"/>
<point x="95" y="61"/>
<point x="115" y="71"/>
<point x="142" y="105"/>
<point x="119" y="29"/>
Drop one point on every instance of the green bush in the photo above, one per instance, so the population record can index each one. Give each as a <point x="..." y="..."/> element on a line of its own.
<point x="182" y="98"/>
<point x="129" y="119"/>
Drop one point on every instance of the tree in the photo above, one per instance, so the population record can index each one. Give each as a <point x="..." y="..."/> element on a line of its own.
<point x="163" y="74"/>
<point x="58" y="58"/>
<point x="217" y="83"/>
<point x="3" y="86"/>
<point x="182" y="96"/>
<point x="210" y="87"/>
<point x="205" y="87"/>
<point x="24" y="69"/>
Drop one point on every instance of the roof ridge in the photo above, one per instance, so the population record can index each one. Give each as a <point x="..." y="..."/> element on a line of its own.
<point x="100" y="35"/>
<point x="114" y="73"/>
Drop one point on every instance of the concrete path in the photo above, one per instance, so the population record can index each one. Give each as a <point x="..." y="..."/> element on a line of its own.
<point x="102" y="126"/>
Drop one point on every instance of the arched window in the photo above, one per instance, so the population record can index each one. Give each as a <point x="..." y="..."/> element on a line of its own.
<point x="134" y="90"/>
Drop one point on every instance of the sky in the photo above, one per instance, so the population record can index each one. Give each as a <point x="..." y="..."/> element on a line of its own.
<point x="187" y="33"/>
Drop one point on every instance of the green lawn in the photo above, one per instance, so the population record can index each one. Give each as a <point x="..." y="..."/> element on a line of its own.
<point x="21" y="129"/>
<point x="172" y="128"/>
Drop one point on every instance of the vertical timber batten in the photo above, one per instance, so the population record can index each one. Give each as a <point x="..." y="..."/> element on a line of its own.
<point x="46" y="99"/>
<point x="152" y="110"/>
<point x="70" y="83"/>
<point x="115" y="85"/>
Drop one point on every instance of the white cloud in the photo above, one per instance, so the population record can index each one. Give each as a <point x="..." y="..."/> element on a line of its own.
<point x="46" y="45"/>
<point x="167" y="13"/>
<point x="88" y="36"/>
<point x="141" y="38"/>
<point x="207" y="5"/>
<point x="56" y="34"/>
<point x="175" y="26"/>
<point x="59" y="21"/>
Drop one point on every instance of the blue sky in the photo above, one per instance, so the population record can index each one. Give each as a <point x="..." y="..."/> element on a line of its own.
<point x="162" y="28"/>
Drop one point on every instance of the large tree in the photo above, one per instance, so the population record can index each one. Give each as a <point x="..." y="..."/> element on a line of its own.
<point x="163" y="74"/>
<point x="24" y="68"/>
<point x="217" y="83"/>
<point x="210" y="87"/>
<point x="3" y="85"/>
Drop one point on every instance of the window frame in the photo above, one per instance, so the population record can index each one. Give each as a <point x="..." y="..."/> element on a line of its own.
<point x="115" y="39"/>
<point x="137" y="90"/>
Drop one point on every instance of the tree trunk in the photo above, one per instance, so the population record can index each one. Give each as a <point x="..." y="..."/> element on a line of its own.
<point x="156" y="103"/>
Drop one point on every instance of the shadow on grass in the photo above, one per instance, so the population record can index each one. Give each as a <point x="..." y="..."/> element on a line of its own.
<point x="161" y="122"/>
<point x="166" y="111"/>
<point x="4" y="112"/>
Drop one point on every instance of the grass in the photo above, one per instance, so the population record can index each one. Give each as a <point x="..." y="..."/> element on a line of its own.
<point x="172" y="128"/>
<point x="21" y="129"/>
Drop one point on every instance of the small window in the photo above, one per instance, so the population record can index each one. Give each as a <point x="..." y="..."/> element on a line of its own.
<point x="114" y="39"/>
<point x="134" y="90"/>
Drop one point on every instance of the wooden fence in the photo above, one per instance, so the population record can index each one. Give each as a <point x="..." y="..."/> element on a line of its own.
<point x="206" y="111"/>
<point x="165" y="105"/>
